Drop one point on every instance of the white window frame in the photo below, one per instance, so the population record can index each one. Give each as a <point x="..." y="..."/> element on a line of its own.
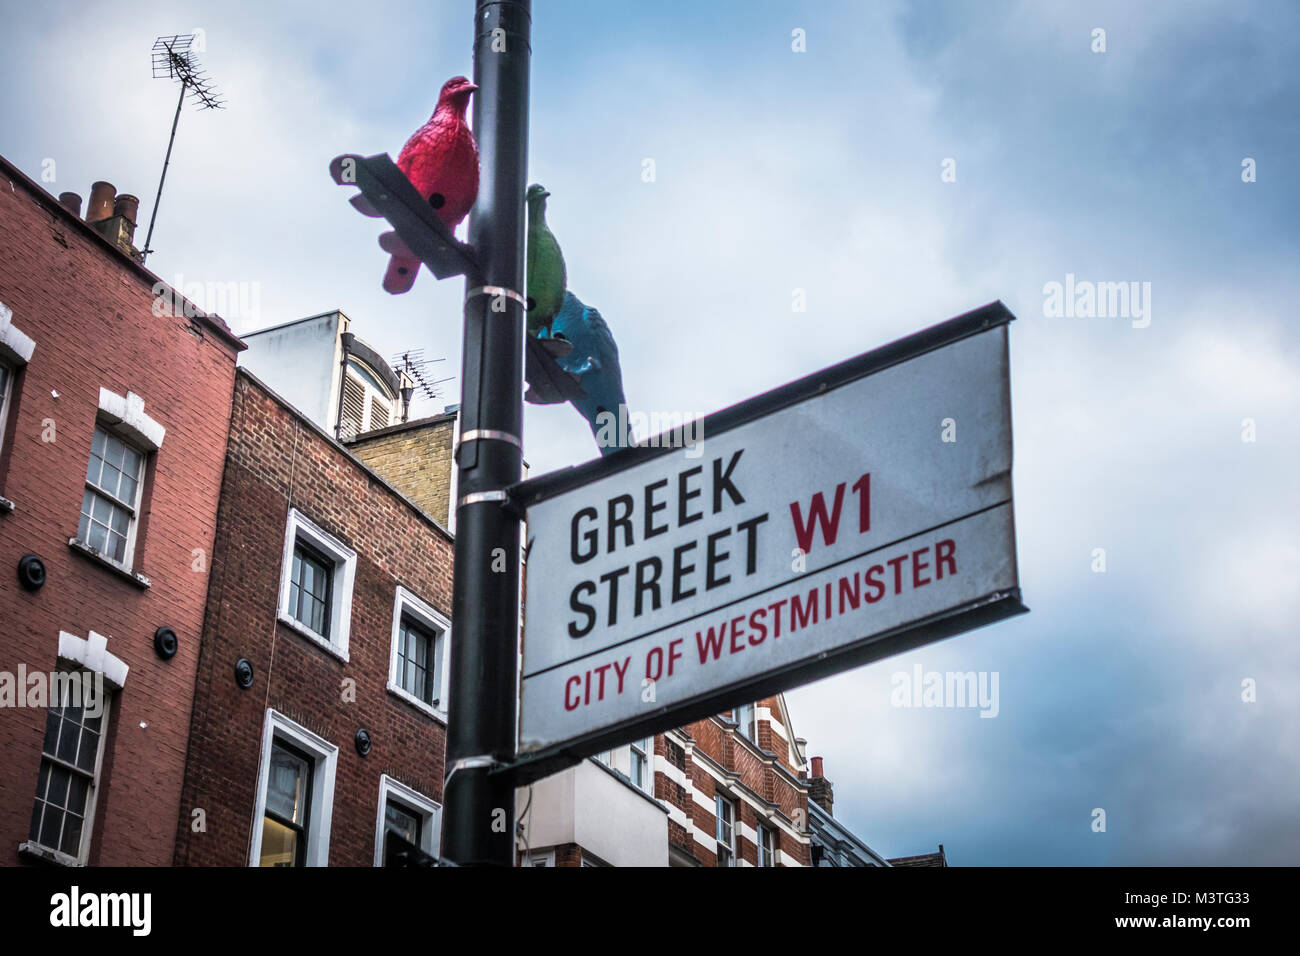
<point x="758" y="841"/>
<point x="10" y="372"/>
<point x="324" y="757"/>
<point x="415" y="802"/>
<point x="646" y="748"/>
<point x="341" y="580"/>
<point x="134" y="507"/>
<point x="734" y="846"/>
<point x="92" y="798"/>
<point x="540" y="858"/>
<point x="90" y="655"/>
<point x="747" y="720"/>
<point x="409" y="604"/>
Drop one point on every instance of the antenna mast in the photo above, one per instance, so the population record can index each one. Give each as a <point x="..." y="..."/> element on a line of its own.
<point x="173" y="60"/>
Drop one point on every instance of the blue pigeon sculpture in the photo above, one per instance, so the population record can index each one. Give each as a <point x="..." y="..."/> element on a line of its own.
<point x="594" y="360"/>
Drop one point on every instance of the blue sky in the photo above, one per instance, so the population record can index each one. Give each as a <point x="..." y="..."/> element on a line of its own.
<point x="820" y="171"/>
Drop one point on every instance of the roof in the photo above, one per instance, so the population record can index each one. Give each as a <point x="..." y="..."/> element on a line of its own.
<point x="924" y="859"/>
<point x="47" y="200"/>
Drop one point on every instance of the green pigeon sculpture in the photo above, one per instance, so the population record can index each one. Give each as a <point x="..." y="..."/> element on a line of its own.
<point x="546" y="275"/>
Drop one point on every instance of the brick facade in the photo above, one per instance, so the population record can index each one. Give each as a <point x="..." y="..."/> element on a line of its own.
<point x="415" y="457"/>
<point x="89" y="309"/>
<point x="277" y="459"/>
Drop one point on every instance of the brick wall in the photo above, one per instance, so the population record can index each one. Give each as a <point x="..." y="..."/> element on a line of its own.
<point x="277" y="460"/>
<point x="415" y="457"/>
<point x="90" y="311"/>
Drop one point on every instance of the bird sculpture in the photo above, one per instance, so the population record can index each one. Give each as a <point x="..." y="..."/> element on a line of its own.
<point x="441" y="161"/>
<point x="593" y="360"/>
<point x="546" y="275"/>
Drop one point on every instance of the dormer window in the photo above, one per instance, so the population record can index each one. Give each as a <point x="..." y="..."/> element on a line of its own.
<point x="366" y="402"/>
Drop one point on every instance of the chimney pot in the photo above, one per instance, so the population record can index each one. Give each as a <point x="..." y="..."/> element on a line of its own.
<point x="817" y="766"/>
<point x="102" y="195"/>
<point x="71" y="202"/>
<point x="127" y="206"/>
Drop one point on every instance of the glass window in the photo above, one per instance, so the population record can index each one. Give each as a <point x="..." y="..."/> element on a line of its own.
<point x="309" y="589"/>
<point x="415" y="661"/>
<point x="6" y="378"/>
<point x="108" y="506"/>
<point x="745" y="717"/>
<point x="403" y="822"/>
<point x="724" y="813"/>
<point x="766" y="856"/>
<point x="288" y="796"/>
<point x="68" y="774"/>
<point x="640" y="764"/>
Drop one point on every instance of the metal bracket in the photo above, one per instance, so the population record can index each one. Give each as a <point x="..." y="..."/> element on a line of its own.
<point x="480" y="434"/>
<point x="479" y="762"/>
<point x="480" y="496"/>
<point x="497" y="290"/>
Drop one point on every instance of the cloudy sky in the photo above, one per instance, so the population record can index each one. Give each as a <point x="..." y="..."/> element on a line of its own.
<point x="823" y="171"/>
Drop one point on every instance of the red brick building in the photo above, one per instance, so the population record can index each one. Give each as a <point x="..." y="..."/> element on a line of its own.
<point x="320" y="703"/>
<point x="730" y="790"/>
<point x="113" y="419"/>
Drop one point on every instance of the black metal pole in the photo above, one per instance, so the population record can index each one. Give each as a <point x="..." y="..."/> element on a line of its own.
<point x="153" y="216"/>
<point x="478" y="828"/>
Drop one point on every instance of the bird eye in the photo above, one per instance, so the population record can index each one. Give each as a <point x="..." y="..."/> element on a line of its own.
<point x="401" y="270"/>
<point x="437" y="200"/>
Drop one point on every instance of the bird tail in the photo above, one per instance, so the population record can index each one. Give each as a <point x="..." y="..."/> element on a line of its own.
<point x="402" y="264"/>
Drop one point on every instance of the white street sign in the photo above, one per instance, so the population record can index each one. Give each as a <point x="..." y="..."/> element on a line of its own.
<point x="851" y="515"/>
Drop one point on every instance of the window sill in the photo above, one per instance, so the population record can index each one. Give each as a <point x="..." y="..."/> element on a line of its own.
<point x="421" y="706"/>
<point x="304" y="631"/>
<point x="6" y="505"/>
<point x="86" y="551"/>
<point x="43" y="854"/>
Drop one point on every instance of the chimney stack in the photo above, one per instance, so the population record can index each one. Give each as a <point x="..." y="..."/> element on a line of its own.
<point x="102" y="195"/>
<point x="112" y="216"/>
<point x="819" y="788"/>
<point x="71" y="202"/>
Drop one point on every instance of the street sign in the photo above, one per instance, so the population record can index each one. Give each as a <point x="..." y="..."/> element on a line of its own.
<point x="850" y="515"/>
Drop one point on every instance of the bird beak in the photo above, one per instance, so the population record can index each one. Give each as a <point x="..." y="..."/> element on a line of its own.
<point x="470" y="88"/>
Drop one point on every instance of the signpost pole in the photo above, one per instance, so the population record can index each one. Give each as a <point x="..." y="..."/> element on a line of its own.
<point x="479" y="805"/>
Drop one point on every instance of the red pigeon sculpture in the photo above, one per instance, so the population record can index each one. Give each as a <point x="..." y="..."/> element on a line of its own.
<point x="441" y="161"/>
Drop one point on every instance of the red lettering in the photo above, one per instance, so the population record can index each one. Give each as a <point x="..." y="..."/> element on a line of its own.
<point x="714" y="642"/>
<point x="800" y="612"/>
<point x="575" y="679"/>
<point x="674" y="654"/>
<point x="873" y="581"/>
<point x="917" y="567"/>
<point x="897" y="565"/>
<point x="863" y="487"/>
<point x="600" y="694"/>
<point x="756" y="624"/>
<point x="655" y="670"/>
<point x="736" y="633"/>
<point x="621" y="671"/>
<point x="776" y="616"/>
<point x="850" y="588"/>
<point x="945" y="553"/>
<point x="830" y="525"/>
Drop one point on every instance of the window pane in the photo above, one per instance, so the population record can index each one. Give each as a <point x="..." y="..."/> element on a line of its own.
<point x="51" y="827"/>
<point x="287" y="785"/>
<point x="51" y="736"/>
<point x="68" y="742"/>
<point x="71" y="842"/>
<point x="77" y="794"/>
<point x="89" y="748"/>
<point x="279" y="844"/>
